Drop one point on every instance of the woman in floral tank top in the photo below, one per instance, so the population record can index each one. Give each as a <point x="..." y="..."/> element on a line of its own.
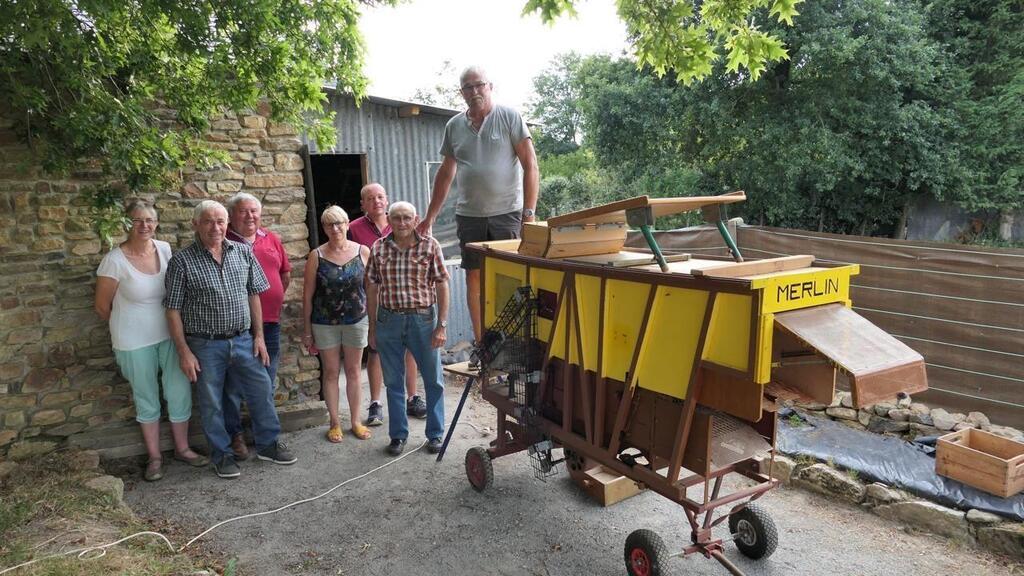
<point x="334" y="313"/>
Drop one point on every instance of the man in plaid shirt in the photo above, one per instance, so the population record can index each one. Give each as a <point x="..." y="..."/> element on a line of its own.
<point x="407" y="300"/>
<point x="216" y="322"/>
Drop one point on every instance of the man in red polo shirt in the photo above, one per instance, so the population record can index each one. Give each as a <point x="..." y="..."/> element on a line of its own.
<point x="366" y="230"/>
<point x="244" y="214"/>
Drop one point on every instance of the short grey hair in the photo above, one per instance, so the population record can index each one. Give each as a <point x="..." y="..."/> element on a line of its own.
<point x="470" y="70"/>
<point x="242" y="197"/>
<point x="136" y="204"/>
<point x="205" y="206"/>
<point x="402" y="206"/>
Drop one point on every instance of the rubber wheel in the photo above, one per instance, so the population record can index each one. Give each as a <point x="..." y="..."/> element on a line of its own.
<point x="645" y="553"/>
<point x="478" y="468"/>
<point x="754" y="531"/>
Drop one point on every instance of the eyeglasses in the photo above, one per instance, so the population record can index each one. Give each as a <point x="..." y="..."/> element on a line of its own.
<point x="469" y="88"/>
<point x="335" y="225"/>
<point x="146" y="221"/>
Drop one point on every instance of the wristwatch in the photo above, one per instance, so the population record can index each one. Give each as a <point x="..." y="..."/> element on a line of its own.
<point x="528" y="212"/>
<point x="443" y="323"/>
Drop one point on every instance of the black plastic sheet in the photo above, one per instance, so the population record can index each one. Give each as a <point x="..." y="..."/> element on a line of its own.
<point x="886" y="459"/>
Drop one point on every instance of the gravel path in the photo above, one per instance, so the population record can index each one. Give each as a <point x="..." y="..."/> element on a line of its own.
<point x="419" y="517"/>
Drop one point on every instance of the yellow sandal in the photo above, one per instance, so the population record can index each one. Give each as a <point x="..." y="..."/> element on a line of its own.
<point x="335" y="434"/>
<point x="361" y="432"/>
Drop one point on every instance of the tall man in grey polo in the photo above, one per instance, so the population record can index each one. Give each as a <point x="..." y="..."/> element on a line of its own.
<point x="215" y="320"/>
<point x="488" y="153"/>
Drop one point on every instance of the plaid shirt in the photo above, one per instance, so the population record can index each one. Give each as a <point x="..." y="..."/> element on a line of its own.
<point x="406" y="277"/>
<point x="213" y="298"/>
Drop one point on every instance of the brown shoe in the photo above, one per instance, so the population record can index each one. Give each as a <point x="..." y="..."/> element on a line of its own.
<point x="239" y="448"/>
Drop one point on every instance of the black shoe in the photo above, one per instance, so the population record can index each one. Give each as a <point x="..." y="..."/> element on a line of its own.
<point x="434" y="445"/>
<point x="375" y="415"/>
<point x="277" y="453"/>
<point x="396" y="446"/>
<point x="416" y="407"/>
<point x="227" y="468"/>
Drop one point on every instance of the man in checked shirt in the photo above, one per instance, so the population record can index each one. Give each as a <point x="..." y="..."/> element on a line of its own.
<point x="216" y="322"/>
<point x="407" y="300"/>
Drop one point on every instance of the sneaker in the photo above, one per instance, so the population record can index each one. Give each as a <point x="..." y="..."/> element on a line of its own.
<point x="239" y="448"/>
<point x="375" y="415"/>
<point x="434" y="445"/>
<point x="396" y="446"/>
<point x="227" y="467"/>
<point x="277" y="453"/>
<point x="416" y="407"/>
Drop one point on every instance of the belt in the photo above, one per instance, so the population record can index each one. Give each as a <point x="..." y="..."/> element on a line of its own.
<point x="425" y="310"/>
<point x="224" y="336"/>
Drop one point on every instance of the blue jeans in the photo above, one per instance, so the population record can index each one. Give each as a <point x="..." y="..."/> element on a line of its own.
<point x="233" y="397"/>
<point x="397" y="333"/>
<point x="226" y="364"/>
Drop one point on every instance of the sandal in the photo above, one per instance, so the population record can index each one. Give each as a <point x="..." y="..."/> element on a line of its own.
<point x="335" y="434"/>
<point x="361" y="432"/>
<point x="154" y="470"/>
<point x="197" y="460"/>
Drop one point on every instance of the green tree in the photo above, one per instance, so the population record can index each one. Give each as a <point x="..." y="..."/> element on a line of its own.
<point x="131" y="85"/>
<point x="840" y="137"/>
<point x="444" y="93"/>
<point x="986" y="40"/>
<point x="555" y="105"/>
<point x="688" y="37"/>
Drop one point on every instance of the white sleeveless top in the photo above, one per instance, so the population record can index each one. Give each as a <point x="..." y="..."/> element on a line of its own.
<point x="137" y="318"/>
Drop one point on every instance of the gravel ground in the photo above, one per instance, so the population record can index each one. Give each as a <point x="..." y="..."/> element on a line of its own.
<point x="419" y="517"/>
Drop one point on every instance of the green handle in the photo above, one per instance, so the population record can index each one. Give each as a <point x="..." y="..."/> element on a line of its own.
<point x="654" y="247"/>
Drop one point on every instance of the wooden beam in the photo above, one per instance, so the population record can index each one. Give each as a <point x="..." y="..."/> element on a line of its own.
<point x="568" y="402"/>
<point x="602" y="385"/>
<point x="588" y="413"/>
<point x="627" y="391"/>
<point x="551" y="340"/>
<point x="692" y="394"/>
<point x="755" y="267"/>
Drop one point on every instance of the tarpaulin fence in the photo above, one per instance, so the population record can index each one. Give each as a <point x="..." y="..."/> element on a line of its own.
<point x="961" y="307"/>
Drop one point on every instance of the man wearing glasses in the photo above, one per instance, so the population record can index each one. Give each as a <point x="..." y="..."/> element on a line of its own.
<point x="487" y="151"/>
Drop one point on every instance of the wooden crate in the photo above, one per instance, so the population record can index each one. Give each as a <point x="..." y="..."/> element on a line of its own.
<point x="605" y="485"/>
<point x="573" y="240"/>
<point x="981" y="459"/>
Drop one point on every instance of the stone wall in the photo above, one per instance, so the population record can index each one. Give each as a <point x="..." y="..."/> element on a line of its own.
<point x="57" y="372"/>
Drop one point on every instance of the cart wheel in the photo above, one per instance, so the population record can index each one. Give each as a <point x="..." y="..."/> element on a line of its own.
<point x="478" y="468"/>
<point x="754" y="530"/>
<point x="645" y="553"/>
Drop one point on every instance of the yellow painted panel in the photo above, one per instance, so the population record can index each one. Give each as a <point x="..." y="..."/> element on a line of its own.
<point x="588" y="291"/>
<point x="550" y="280"/>
<point x="673" y="333"/>
<point x="624" y="306"/>
<point x="501" y="280"/>
<point x="729" y="335"/>
<point x="763" y="361"/>
<point x="793" y="291"/>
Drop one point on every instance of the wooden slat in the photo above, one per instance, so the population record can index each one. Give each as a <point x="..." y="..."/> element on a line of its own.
<point x="978" y="312"/>
<point x="627" y="393"/>
<point x="584" y="380"/>
<point x="693" y="392"/>
<point x="755" y="267"/>
<point x="616" y="211"/>
<point x="901" y="324"/>
<point x="602" y="384"/>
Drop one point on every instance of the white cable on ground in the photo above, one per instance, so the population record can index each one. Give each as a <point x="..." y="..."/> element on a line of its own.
<point x="84" y="553"/>
<point x="297" y="502"/>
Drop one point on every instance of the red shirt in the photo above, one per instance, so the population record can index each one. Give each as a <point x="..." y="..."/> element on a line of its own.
<point x="406" y="277"/>
<point x="272" y="258"/>
<point x="363" y="231"/>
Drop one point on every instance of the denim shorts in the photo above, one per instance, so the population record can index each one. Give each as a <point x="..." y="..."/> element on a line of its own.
<point x="327" y="336"/>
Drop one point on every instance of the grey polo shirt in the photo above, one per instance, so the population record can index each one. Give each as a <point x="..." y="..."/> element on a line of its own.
<point x="214" y="298"/>
<point x="488" y="177"/>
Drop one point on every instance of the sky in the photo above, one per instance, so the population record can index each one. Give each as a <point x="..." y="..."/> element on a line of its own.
<point x="408" y="44"/>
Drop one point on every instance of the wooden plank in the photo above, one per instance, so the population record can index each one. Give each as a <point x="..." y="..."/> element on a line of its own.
<point x="602" y="384"/>
<point x="568" y="403"/>
<point x="616" y="211"/>
<point x="739" y="397"/>
<point x="584" y="379"/>
<point x="551" y="339"/>
<point x="624" y="259"/>
<point x="755" y="267"/>
<point x="988" y="313"/>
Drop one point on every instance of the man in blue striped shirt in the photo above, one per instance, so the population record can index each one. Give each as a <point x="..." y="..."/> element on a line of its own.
<point x="216" y="322"/>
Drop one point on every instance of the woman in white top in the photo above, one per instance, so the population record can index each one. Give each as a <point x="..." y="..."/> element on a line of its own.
<point x="129" y="294"/>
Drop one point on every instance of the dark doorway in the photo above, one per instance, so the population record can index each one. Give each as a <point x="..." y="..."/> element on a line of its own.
<point x="333" y="179"/>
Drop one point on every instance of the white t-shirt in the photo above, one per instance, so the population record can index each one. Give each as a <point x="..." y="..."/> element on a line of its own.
<point x="137" y="317"/>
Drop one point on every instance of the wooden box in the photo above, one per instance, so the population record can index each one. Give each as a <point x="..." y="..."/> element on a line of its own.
<point x="977" y="458"/>
<point x="572" y="240"/>
<point x="605" y="486"/>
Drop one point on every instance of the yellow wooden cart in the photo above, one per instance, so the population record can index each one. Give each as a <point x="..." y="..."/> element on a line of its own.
<point x="664" y="371"/>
